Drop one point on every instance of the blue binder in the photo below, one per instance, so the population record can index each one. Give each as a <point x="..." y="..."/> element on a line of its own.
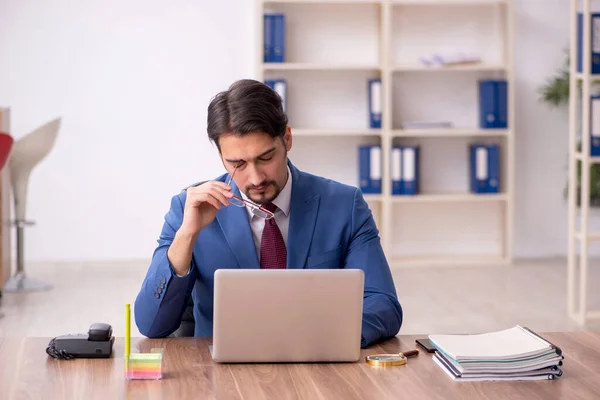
<point x="279" y="86"/>
<point x="278" y="38"/>
<point x="493" y="104"/>
<point x="484" y="168"/>
<point x="595" y="126"/>
<point x="595" y="43"/>
<point x="487" y="104"/>
<point x="493" y="168"/>
<point x="369" y="169"/>
<point x="396" y="170"/>
<point x="375" y="103"/>
<point x="274" y="37"/>
<point x="502" y="104"/>
<point x="410" y="170"/>
<point x="405" y="170"/>
<point x="268" y="38"/>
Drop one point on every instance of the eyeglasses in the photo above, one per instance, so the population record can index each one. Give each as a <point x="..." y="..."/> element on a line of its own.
<point x="256" y="209"/>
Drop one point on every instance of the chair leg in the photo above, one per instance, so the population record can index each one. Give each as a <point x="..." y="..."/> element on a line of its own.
<point x="20" y="282"/>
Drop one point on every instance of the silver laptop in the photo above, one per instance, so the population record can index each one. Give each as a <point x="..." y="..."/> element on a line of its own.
<point x="287" y="315"/>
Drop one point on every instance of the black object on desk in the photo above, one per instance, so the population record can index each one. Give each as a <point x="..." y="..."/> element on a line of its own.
<point x="97" y="343"/>
<point x="427" y="345"/>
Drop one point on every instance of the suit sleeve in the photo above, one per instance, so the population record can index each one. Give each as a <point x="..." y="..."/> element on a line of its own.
<point x="382" y="313"/>
<point x="164" y="295"/>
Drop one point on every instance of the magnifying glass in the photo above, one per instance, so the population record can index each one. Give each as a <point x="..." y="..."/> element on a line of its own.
<point x="385" y="360"/>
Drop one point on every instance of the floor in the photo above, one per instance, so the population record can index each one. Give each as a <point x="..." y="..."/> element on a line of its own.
<point x="435" y="299"/>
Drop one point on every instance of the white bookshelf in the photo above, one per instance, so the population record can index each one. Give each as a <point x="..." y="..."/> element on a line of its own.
<point x="580" y="234"/>
<point x="450" y="132"/>
<point x="334" y="46"/>
<point x="333" y="132"/>
<point x="317" y="67"/>
<point x="450" y="197"/>
<point x="454" y="68"/>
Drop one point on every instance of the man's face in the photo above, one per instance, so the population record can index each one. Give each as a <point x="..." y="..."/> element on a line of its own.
<point x="261" y="161"/>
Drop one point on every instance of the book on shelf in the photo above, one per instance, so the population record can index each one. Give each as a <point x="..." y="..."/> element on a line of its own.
<point x="274" y="37"/>
<point x="595" y="125"/>
<point x="427" y="125"/>
<point x="493" y="104"/>
<point x="369" y="169"/>
<point x="405" y="170"/>
<point x="484" y="168"/>
<point x="516" y="353"/>
<point x="280" y="87"/>
<point x="375" y="99"/>
<point x="451" y="59"/>
<point x="594" y="42"/>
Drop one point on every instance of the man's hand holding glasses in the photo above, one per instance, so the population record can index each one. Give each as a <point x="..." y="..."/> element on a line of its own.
<point x="201" y="206"/>
<point x="202" y="203"/>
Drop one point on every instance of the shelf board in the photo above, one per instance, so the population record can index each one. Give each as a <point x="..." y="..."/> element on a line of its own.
<point x="593" y="159"/>
<point x="592" y="236"/>
<point x="336" y="132"/>
<point x="593" y="77"/>
<point x="317" y="67"/>
<point x="458" y="67"/>
<point x="449" y="198"/>
<point x="323" y="1"/>
<point x="448" y="2"/>
<point x="449" y="132"/>
<point x="372" y="197"/>
<point x="447" y="261"/>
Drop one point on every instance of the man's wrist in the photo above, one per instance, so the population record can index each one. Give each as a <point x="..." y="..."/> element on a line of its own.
<point x="180" y="251"/>
<point x="184" y="274"/>
<point x="186" y="235"/>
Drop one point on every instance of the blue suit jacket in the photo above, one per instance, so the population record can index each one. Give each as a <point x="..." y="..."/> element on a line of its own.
<point x="331" y="226"/>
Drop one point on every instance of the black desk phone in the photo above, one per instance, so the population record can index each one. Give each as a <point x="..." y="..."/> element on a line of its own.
<point x="97" y="343"/>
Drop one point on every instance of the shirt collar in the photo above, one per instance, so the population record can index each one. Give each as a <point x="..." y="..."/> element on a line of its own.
<point x="283" y="199"/>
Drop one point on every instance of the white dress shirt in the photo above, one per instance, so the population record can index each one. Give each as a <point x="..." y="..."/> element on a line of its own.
<point x="282" y="214"/>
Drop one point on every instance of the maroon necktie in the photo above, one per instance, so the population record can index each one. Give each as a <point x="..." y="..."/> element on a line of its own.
<point x="273" y="253"/>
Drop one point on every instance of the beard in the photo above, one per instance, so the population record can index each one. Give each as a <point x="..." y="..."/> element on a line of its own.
<point x="268" y="192"/>
<point x="270" y="189"/>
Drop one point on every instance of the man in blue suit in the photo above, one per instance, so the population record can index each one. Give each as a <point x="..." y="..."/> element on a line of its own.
<point x="315" y="223"/>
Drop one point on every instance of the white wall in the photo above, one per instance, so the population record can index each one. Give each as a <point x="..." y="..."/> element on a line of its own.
<point x="132" y="80"/>
<point x="542" y="29"/>
<point x="141" y="73"/>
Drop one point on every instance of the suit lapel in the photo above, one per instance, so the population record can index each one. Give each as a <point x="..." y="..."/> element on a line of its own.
<point x="236" y="228"/>
<point x="303" y="215"/>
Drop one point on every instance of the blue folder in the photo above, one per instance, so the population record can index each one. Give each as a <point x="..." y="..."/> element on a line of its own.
<point x="594" y="42"/>
<point x="369" y="168"/>
<point x="405" y="170"/>
<point x="375" y="94"/>
<point x="484" y="168"/>
<point x="280" y="87"/>
<point x="493" y="104"/>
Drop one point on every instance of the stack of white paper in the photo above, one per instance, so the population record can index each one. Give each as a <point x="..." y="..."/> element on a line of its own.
<point x="426" y="124"/>
<point x="512" y="354"/>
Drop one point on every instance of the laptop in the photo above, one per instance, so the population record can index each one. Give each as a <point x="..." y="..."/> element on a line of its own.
<point x="287" y="315"/>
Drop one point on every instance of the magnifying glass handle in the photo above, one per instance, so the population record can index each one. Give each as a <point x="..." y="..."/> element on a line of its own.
<point x="410" y="353"/>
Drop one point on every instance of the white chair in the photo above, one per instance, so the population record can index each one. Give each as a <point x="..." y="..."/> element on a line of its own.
<point x="27" y="152"/>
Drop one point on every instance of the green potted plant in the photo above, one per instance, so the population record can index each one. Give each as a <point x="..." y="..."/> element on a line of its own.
<point x="555" y="92"/>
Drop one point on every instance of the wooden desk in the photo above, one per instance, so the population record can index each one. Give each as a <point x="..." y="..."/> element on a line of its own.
<point x="189" y="372"/>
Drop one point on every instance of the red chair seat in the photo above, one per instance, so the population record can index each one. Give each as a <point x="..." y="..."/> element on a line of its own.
<point x="6" y="143"/>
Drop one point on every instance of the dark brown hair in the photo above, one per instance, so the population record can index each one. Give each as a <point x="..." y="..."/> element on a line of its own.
<point x="247" y="106"/>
